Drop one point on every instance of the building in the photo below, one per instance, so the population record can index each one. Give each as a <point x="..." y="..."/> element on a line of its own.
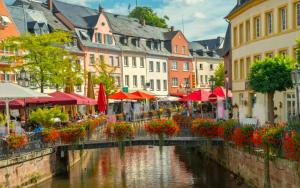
<point x="226" y="54"/>
<point x="205" y="62"/>
<point x="262" y="29"/>
<point x="7" y="29"/>
<point x="36" y="18"/>
<point x="180" y="69"/>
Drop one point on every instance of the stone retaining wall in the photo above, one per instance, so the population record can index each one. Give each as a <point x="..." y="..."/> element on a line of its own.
<point x="283" y="173"/>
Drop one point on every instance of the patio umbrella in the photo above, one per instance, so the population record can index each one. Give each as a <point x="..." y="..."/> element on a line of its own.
<point x="144" y="95"/>
<point x="101" y="99"/>
<point x="15" y="104"/>
<point x="200" y="95"/>
<point x="221" y="92"/>
<point x="124" y="96"/>
<point x="10" y="91"/>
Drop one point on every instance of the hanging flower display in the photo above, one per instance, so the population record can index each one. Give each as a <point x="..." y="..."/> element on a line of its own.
<point x="242" y="135"/>
<point x="72" y="134"/>
<point x="120" y="130"/>
<point x="50" y="135"/>
<point x="162" y="126"/>
<point x="205" y="127"/>
<point x="15" y="141"/>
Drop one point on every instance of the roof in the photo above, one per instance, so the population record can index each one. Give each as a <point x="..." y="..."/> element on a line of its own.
<point x="194" y="46"/>
<point x="240" y="3"/>
<point x="212" y="44"/>
<point x="227" y="42"/>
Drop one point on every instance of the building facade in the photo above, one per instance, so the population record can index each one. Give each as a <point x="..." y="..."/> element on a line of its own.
<point x="205" y="62"/>
<point x="7" y="29"/>
<point x="262" y="29"/>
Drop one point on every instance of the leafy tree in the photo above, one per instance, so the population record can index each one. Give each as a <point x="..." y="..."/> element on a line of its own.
<point x="270" y="75"/>
<point x="220" y="75"/>
<point x="43" y="57"/>
<point x="149" y="16"/>
<point x="104" y="75"/>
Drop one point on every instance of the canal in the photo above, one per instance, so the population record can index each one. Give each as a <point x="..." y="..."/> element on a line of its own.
<point x="146" y="167"/>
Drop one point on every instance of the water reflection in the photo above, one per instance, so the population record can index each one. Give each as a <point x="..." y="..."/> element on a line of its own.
<point x="144" y="167"/>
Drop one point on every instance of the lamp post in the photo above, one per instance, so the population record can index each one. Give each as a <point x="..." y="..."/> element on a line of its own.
<point x="212" y="82"/>
<point x="23" y="78"/>
<point x="295" y="74"/>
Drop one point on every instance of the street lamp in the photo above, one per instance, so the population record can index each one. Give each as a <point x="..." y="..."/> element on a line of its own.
<point x="212" y="82"/>
<point x="23" y="78"/>
<point x="295" y="74"/>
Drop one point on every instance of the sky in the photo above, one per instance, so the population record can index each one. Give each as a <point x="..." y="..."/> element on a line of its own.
<point x="199" y="19"/>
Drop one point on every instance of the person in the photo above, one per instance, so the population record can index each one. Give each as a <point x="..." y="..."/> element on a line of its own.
<point x="185" y="112"/>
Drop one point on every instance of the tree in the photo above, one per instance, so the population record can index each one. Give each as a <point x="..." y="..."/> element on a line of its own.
<point x="150" y="17"/>
<point x="220" y="75"/>
<point x="43" y="57"/>
<point x="270" y="75"/>
<point x="104" y="75"/>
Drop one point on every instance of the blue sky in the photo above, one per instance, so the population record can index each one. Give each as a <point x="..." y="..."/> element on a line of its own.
<point x="202" y="19"/>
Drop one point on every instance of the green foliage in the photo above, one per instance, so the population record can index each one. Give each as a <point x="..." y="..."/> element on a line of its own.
<point x="45" y="58"/>
<point x="220" y="75"/>
<point x="150" y="17"/>
<point x="229" y="127"/>
<point x="104" y="75"/>
<point x="2" y="119"/>
<point x="271" y="74"/>
<point x="46" y="116"/>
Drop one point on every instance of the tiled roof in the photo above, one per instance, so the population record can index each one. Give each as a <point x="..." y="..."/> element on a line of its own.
<point x="240" y="3"/>
<point x="212" y="44"/>
<point x="227" y="42"/>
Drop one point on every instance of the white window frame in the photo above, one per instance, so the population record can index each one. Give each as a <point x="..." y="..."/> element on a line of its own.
<point x="175" y="82"/>
<point x="174" y="65"/>
<point x="186" y="66"/>
<point x="283" y="18"/>
<point x="134" y="62"/>
<point x="269" y="23"/>
<point x="135" y="81"/>
<point x="158" y="85"/>
<point x="152" y="85"/>
<point x="157" y="66"/>
<point x="127" y="80"/>
<point x="258" y="25"/>
<point x="165" y="85"/>
<point x="165" y="67"/>
<point x="126" y="61"/>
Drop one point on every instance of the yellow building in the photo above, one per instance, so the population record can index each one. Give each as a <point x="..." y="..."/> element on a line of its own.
<point x="261" y="28"/>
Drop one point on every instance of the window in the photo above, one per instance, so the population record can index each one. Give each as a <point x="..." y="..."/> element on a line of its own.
<point x="117" y="62"/>
<point x="174" y="65"/>
<point x="257" y="28"/>
<point x="235" y="36"/>
<point x="6" y="77"/>
<point x="165" y="85"/>
<point x="211" y="67"/>
<point x="201" y="66"/>
<point x="165" y="67"/>
<point x="133" y="61"/>
<point x="152" y="85"/>
<point x="242" y="69"/>
<point x="135" y="83"/>
<point x="124" y="40"/>
<point x="98" y="38"/>
<point x="297" y="11"/>
<point x="241" y="34"/>
<point x="186" y="66"/>
<point x="126" y="64"/>
<point x="235" y="70"/>
<point x="201" y="79"/>
<point x="283" y="52"/>
<point x="283" y="18"/>
<point x="269" y="23"/>
<point x="143" y="81"/>
<point x="151" y="66"/>
<point x="108" y="39"/>
<point x="78" y="88"/>
<point x="92" y="59"/>
<point x="158" y="88"/>
<point x="142" y="64"/>
<point x="269" y="54"/>
<point x="248" y="31"/>
<point x="186" y="82"/>
<point x="157" y="66"/>
<point x="127" y="80"/>
<point x="175" y="82"/>
<point x="118" y="81"/>
<point x="136" y="42"/>
<point x="176" y="49"/>
<point x="111" y="61"/>
<point x="183" y="50"/>
<point x="248" y="67"/>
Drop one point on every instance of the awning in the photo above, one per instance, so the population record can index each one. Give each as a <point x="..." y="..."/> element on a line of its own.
<point x="15" y="104"/>
<point x="124" y="96"/>
<point x="82" y="100"/>
<point x="144" y="95"/>
<point x="168" y="99"/>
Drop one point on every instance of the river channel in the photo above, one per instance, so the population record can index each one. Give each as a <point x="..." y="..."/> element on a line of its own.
<point x="146" y="167"/>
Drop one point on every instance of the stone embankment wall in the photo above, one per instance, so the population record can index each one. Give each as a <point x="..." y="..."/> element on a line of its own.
<point x="283" y="173"/>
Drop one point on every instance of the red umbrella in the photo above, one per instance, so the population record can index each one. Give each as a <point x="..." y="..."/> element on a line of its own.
<point x="124" y="96"/>
<point x="221" y="92"/>
<point x="101" y="99"/>
<point x="144" y="95"/>
<point x="82" y="100"/>
<point x="200" y="95"/>
<point x="15" y="104"/>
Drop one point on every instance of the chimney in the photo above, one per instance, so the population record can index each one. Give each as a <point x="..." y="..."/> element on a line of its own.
<point x="50" y="4"/>
<point x="143" y="22"/>
<point x="172" y="28"/>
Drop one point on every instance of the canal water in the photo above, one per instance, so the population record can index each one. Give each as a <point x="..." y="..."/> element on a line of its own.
<point x="146" y="167"/>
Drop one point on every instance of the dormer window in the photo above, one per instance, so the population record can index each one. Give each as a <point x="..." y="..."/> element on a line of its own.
<point x="74" y="42"/>
<point x="108" y="39"/>
<point x="98" y="38"/>
<point x="124" y="41"/>
<point x="4" y="21"/>
<point x="84" y="35"/>
<point x="136" y="42"/>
